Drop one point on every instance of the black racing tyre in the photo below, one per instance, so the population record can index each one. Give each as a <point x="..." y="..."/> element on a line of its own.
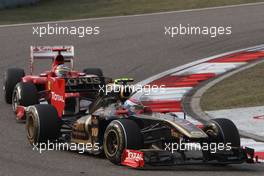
<point x="24" y="94"/>
<point x="227" y="131"/>
<point x="42" y="124"/>
<point x="119" y="135"/>
<point x="93" y="71"/>
<point x="12" y="76"/>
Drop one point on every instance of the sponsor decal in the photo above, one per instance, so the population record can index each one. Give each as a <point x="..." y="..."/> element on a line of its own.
<point x="82" y="81"/>
<point x="136" y="156"/>
<point x="133" y="158"/>
<point x="57" y="97"/>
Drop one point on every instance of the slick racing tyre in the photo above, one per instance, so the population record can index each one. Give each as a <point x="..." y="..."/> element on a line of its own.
<point x="42" y="124"/>
<point x="93" y="71"/>
<point x="119" y="135"/>
<point x="228" y="132"/>
<point x="11" y="77"/>
<point x="24" y="94"/>
<point x="223" y="131"/>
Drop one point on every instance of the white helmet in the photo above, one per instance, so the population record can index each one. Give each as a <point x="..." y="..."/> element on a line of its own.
<point x="62" y="70"/>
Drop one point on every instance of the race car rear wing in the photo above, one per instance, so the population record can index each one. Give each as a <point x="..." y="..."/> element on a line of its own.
<point x="50" y="52"/>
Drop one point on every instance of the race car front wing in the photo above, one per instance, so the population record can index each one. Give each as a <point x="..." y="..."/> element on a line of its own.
<point x="147" y="158"/>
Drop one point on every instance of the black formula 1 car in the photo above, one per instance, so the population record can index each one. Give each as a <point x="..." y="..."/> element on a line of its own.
<point x="136" y="137"/>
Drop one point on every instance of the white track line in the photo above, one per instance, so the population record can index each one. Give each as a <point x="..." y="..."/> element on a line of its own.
<point x="138" y="15"/>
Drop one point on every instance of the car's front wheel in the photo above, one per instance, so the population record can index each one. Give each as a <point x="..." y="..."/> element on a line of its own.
<point x="24" y="94"/>
<point x="119" y="135"/>
<point x="224" y="131"/>
<point x="11" y="77"/>
<point x="224" y="136"/>
<point x="42" y="124"/>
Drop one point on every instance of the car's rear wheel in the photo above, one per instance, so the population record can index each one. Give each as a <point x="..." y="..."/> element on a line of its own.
<point x="24" y="94"/>
<point x="11" y="77"/>
<point x="42" y="124"/>
<point x="119" y="135"/>
<point x="93" y="71"/>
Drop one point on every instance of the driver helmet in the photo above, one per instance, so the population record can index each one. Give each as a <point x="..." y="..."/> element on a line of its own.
<point x="62" y="70"/>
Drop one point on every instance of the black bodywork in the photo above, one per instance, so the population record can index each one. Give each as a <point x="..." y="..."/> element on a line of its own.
<point x="114" y="127"/>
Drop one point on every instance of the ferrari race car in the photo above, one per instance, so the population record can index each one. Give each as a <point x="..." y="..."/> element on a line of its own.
<point x="134" y="136"/>
<point x="68" y="90"/>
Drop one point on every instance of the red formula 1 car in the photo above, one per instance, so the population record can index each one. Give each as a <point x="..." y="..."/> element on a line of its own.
<point x="69" y="91"/>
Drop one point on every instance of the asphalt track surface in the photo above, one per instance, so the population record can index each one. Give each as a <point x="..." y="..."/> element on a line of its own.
<point x="127" y="46"/>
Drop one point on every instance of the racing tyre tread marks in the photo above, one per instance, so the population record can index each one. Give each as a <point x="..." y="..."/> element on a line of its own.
<point x="128" y="136"/>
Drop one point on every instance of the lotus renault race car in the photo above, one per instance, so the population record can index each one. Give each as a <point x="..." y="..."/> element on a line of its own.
<point x="132" y="135"/>
<point x="68" y="90"/>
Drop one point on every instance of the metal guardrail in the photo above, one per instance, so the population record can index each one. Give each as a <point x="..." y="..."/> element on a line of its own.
<point x="14" y="3"/>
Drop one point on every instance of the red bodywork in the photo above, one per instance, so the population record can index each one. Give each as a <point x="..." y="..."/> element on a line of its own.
<point x="53" y="87"/>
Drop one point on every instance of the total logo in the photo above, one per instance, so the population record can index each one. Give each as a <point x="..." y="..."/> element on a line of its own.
<point x="57" y="97"/>
<point x="136" y="156"/>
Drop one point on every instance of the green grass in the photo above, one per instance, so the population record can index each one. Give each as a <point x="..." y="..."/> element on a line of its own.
<point x="50" y="10"/>
<point x="243" y="89"/>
